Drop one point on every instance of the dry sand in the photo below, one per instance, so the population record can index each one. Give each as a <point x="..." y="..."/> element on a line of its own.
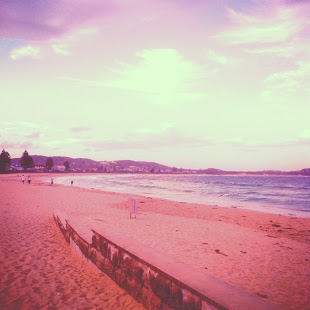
<point x="266" y="255"/>
<point x="38" y="269"/>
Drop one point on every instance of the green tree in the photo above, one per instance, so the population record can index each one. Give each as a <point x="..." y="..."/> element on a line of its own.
<point x="26" y="160"/>
<point x="5" y="160"/>
<point x="67" y="165"/>
<point x="49" y="163"/>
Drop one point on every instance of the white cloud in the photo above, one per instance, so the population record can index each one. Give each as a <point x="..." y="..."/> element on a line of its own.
<point x="305" y="134"/>
<point x="67" y="42"/>
<point x="25" y="51"/>
<point x="159" y="71"/>
<point x="290" y="81"/>
<point x="82" y="32"/>
<point x="169" y="138"/>
<point x="156" y="130"/>
<point x="60" y="49"/>
<point x="284" y="51"/>
<point x="220" y="59"/>
<point x="268" y="24"/>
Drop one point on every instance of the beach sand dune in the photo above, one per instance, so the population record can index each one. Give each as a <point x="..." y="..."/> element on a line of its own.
<point x="266" y="255"/>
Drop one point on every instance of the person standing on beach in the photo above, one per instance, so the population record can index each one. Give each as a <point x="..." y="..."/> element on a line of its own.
<point x="23" y="179"/>
<point x="29" y="179"/>
<point x="71" y="183"/>
<point x="52" y="181"/>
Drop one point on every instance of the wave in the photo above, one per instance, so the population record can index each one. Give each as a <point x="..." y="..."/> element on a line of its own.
<point x="286" y="193"/>
<point x="251" y="193"/>
<point x="256" y="199"/>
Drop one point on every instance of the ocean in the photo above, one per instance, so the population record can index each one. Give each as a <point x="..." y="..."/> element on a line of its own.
<point x="286" y="195"/>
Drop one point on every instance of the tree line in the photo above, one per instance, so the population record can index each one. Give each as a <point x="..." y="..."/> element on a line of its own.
<point x="26" y="162"/>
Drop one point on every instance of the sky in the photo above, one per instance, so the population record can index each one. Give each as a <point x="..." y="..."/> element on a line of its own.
<point x="191" y="84"/>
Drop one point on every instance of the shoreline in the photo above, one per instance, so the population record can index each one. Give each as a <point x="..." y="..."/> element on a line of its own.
<point x="156" y="174"/>
<point x="217" y="201"/>
<point x="265" y="254"/>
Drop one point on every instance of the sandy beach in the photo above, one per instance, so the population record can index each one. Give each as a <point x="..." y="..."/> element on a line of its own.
<point x="38" y="269"/>
<point x="266" y="255"/>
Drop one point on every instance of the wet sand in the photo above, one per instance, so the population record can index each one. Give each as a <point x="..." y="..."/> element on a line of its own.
<point x="266" y="255"/>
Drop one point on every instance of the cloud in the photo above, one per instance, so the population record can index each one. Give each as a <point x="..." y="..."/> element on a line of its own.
<point x="217" y="61"/>
<point x="166" y="138"/>
<point x="43" y="20"/>
<point x="60" y="49"/>
<point x="298" y="141"/>
<point x="156" y="130"/>
<point x="80" y="129"/>
<point x="305" y="134"/>
<point x="58" y="143"/>
<point x="283" y="51"/>
<point x="20" y="128"/>
<point x="159" y="71"/>
<point x="16" y="145"/>
<point x="66" y="43"/>
<point x="293" y="143"/>
<point x="34" y="135"/>
<point x="177" y="140"/>
<point x="293" y="2"/>
<point x="272" y="23"/>
<point x="220" y="59"/>
<point x="157" y="76"/>
<point x="29" y="124"/>
<point x="21" y="135"/>
<point x="289" y="82"/>
<point x="24" y="52"/>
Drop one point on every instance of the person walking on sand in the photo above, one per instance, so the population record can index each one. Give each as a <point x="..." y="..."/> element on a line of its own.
<point x="29" y="179"/>
<point x="71" y="183"/>
<point x="23" y="179"/>
<point x="52" y="181"/>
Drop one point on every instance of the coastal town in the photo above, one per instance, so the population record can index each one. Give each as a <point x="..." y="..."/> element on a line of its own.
<point x="57" y="164"/>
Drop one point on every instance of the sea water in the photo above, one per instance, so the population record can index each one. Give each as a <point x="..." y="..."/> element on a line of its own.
<point x="286" y="195"/>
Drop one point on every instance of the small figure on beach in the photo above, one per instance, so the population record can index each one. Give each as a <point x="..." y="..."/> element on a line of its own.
<point x="71" y="183"/>
<point x="23" y="179"/>
<point x="52" y="181"/>
<point x="29" y="179"/>
<point x="133" y="207"/>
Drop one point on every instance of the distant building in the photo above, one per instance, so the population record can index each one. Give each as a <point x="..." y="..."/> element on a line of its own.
<point x="15" y="168"/>
<point x="60" y="168"/>
<point x="39" y="168"/>
<point x="91" y="170"/>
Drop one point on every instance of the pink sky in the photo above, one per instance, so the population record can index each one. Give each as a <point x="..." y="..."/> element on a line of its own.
<point x="193" y="84"/>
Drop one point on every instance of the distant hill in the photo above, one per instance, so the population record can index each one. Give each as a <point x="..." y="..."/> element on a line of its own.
<point x="85" y="164"/>
<point x="75" y="163"/>
<point x="134" y="166"/>
<point x="131" y="166"/>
